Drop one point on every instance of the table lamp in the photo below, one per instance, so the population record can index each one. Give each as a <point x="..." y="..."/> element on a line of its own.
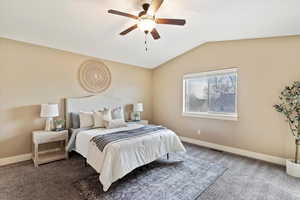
<point x="49" y="111"/>
<point x="138" y="108"/>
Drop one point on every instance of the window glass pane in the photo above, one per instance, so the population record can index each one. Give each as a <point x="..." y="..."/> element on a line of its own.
<point x="197" y="95"/>
<point x="222" y="91"/>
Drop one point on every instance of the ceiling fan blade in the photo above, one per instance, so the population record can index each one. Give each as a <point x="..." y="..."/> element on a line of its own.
<point x="115" y="12"/>
<point x="129" y="29"/>
<point x="155" y="5"/>
<point x="155" y="34"/>
<point x="179" y="22"/>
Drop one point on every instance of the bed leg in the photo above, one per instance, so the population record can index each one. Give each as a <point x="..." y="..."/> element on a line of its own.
<point x="168" y="156"/>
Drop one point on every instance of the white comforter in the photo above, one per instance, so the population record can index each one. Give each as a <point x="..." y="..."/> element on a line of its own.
<point x="120" y="158"/>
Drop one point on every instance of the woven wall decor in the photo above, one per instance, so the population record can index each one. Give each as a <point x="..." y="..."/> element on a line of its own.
<point x="94" y="76"/>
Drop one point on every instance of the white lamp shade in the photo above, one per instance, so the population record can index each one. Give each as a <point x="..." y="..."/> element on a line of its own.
<point x="49" y="110"/>
<point x="138" y="107"/>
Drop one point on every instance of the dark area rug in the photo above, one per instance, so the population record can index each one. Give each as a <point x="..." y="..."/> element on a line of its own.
<point x="181" y="178"/>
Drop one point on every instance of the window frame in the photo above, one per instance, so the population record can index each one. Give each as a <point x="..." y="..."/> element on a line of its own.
<point x="210" y="115"/>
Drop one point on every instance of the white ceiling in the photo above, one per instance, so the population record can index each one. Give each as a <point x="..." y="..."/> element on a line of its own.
<point x="85" y="27"/>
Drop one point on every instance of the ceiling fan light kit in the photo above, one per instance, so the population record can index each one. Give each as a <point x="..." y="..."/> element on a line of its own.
<point x="146" y="19"/>
<point x="146" y="23"/>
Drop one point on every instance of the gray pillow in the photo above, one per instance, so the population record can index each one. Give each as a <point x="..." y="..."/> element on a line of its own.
<point x="117" y="113"/>
<point x="75" y="120"/>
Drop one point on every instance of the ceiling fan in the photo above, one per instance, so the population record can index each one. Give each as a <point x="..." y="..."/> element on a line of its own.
<point x="146" y="20"/>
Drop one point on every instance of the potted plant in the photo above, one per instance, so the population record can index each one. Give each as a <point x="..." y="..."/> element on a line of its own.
<point x="59" y="123"/>
<point x="289" y="106"/>
<point x="136" y="116"/>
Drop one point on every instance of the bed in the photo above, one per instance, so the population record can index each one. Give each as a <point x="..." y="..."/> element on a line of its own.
<point x="120" y="157"/>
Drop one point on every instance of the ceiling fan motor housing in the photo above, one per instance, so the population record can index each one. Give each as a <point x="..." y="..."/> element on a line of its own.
<point x="145" y="7"/>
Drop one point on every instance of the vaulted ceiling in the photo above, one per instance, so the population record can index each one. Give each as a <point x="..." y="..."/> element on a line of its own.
<point x="85" y="27"/>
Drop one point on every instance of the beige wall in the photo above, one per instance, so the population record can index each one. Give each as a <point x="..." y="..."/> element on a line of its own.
<point x="31" y="75"/>
<point x="265" y="67"/>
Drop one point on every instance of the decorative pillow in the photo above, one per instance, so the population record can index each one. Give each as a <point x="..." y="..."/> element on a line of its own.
<point x="115" y="123"/>
<point x="86" y="119"/>
<point x="118" y="113"/>
<point x="75" y="121"/>
<point x="100" y="117"/>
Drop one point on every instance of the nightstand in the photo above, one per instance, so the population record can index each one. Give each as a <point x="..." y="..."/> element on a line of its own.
<point x="143" y="122"/>
<point x="43" y="137"/>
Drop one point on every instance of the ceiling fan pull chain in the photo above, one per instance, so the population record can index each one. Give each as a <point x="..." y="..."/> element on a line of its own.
<point x="146" y="42"/>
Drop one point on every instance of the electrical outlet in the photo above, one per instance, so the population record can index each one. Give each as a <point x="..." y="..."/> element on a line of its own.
<point x="199" y="132"/>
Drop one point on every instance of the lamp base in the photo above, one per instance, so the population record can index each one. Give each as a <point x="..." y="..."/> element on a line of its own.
<point x="49" y="124"/>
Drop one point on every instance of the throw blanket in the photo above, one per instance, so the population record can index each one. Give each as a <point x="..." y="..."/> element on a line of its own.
<point x="102" y="140"/>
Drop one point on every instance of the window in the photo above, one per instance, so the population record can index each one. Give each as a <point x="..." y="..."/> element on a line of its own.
<point x="211" y="94"/>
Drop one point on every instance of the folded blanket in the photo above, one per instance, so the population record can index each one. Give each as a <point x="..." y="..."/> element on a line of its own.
<point x="102" y="140"/>
<point x="71" y="145"/>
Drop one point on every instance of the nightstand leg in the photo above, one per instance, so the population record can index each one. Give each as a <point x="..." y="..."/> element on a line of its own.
<point x="66" y="152"/>
<point x="32" y="150"/>
<point x="167" y="156"/>
<point x="36" y="154"/>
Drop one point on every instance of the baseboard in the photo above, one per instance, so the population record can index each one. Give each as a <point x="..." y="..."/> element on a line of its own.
<point x="15" y="159"/>
<point x="250" y="154"/>
<point x="22" y="157"/>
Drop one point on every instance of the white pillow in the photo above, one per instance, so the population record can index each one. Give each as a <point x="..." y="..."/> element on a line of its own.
<point x="86" y="119"/>
<point x="118" y="113"/>
<point x="115" y="123"/>
<point x="100" y="117"/>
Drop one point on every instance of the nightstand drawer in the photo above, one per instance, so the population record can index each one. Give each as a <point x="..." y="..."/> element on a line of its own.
<point x="40" y="137"/>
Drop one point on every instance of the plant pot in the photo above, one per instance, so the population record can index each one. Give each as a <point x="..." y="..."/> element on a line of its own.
<point x="292" y="168"/>
<point x="59" y="126"/>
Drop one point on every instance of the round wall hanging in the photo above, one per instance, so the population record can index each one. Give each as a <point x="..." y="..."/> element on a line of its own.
<point x="94" y="76"/>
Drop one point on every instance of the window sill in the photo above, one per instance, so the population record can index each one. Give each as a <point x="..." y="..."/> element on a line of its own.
<point x="211" y="116"/>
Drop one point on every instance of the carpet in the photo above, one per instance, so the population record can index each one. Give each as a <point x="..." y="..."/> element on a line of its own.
<point x="247" y="187"/>
<point x="182" y="177"/>
<point x="245" y="179"/>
